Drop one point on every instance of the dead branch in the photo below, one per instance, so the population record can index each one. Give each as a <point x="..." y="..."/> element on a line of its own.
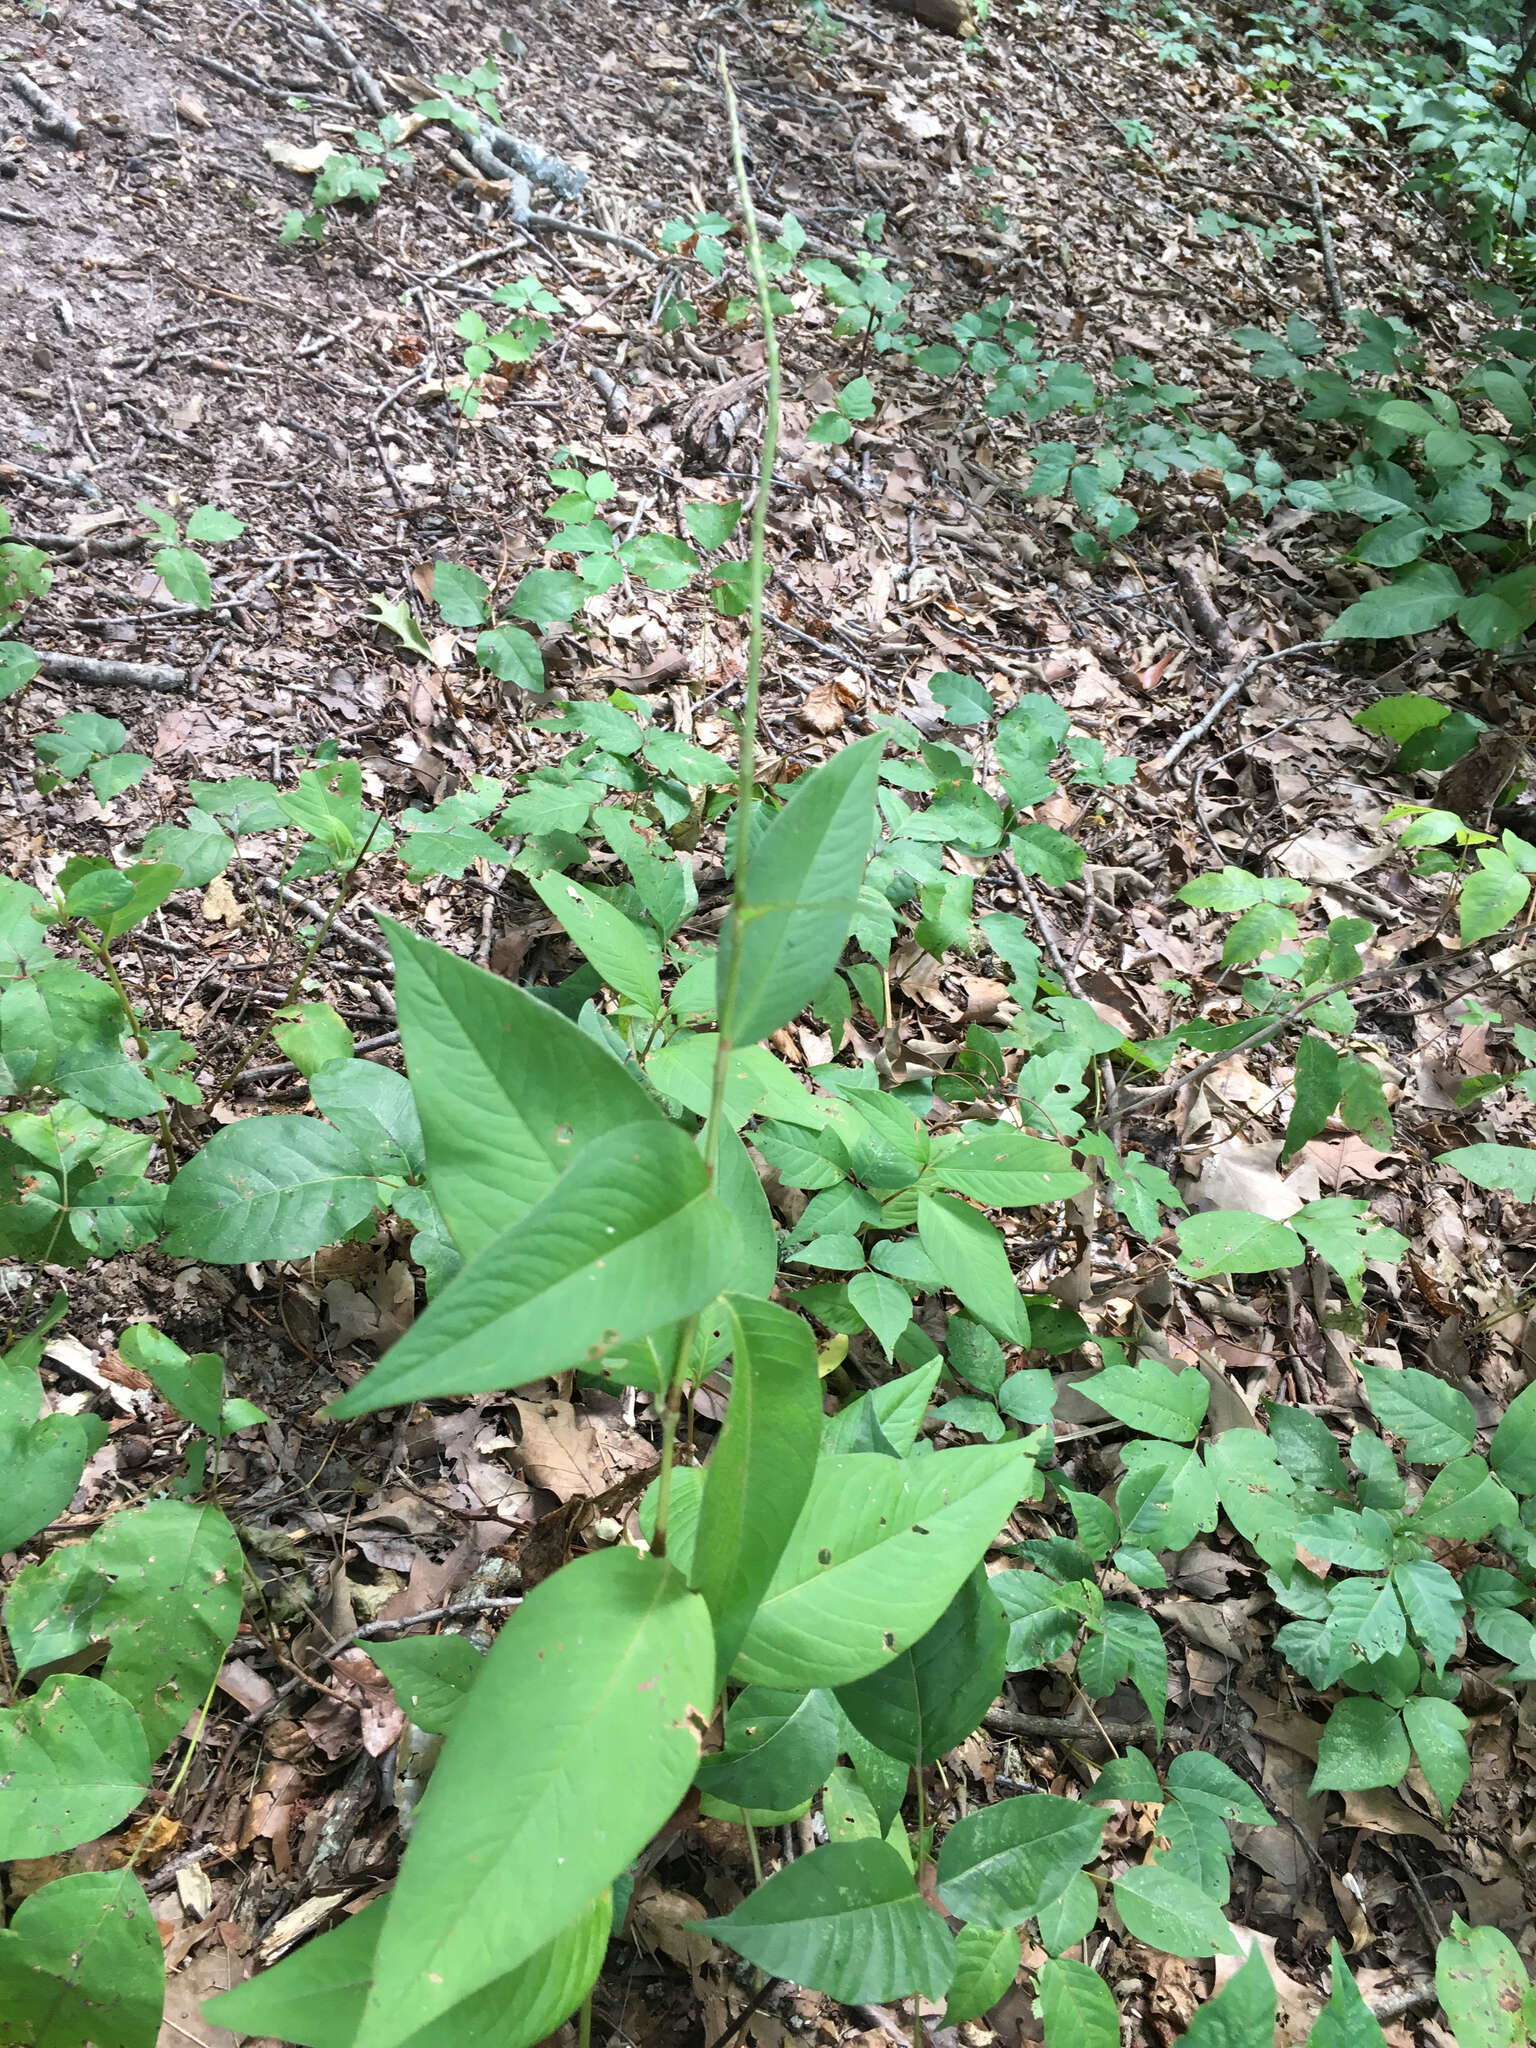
<point x="131" y="675"/>
<point x="47" y="114"/>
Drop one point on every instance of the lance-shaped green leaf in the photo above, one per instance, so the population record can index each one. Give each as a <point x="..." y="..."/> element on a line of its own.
<point x="1004" y="1167"/>
<point x="72" y="1762"/>
<point x="578" y="1740"/>
<point x="1438" y="1731"/>
<point x="630" y="1239"/>
<point x="1512" y="1453"/>
<point x="161" y="1584"/>
<point x="986" y="1963"/>
<point x="509" y="1091"/>
<point x="879" y="1551"/>
<point x="1001" y="1864"/>
<point x="268" y="1187"/>
<point x="1346" y="2021"/>
<point x="81" y="1961"/>
<point x="760" y="1473"/>
<point x="619" y="950"/>
<point x="931" y="1697"/>
<point x="315" y="1997"/>
<point x="847" y="1920"/>
<point x="1242" y="2012"/>
<point x="973" y="1263"/>
<point x="802" y="894"/>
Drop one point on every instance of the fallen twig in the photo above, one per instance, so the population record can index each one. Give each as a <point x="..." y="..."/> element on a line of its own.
<point x="1062" y="1728"/>
<point x="364" y="84"/>
<point x="1233" y="690"/>
<point x="552" y="224"/>
<point x="133" y="675"/>
<point x="1324" y="232"/>
<point x="1203" y="615"/>
<point x="48" y="115"/>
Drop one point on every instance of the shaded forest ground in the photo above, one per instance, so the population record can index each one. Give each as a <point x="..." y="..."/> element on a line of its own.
<point x="157" y="343"/>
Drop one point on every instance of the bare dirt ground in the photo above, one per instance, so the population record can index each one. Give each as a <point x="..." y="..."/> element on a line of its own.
<point x="157" y="343"/>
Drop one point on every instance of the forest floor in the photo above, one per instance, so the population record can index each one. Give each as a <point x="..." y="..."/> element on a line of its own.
<point x="157" y="343"/>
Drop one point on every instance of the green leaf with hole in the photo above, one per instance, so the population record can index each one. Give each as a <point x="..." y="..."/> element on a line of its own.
<point x="1483" y="1986"/>
<point x="802" y="893"/>
<point x="73" y="1762"/>
<point x="928" y="1699"/>
<point x="879" y="1551"/>
<point x="161" y="1585"/>
<point x="760" y="1473"/>
<point x="81" y="1960"/>
<point x="509" y="1092"/>
<point x="591" y="1703"/>
<point x="847" y="1920"/>
<point x="630" y="1240"/>
<point x="1002" y="1863"/>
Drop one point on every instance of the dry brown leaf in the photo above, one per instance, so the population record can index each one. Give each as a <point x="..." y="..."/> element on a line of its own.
<point x="221" y="905"/>
<point x="561" y="1451"/>
<point x="822" y="710"/>
<point x="308" y="161"/>
<point x="1382" y="1812"/>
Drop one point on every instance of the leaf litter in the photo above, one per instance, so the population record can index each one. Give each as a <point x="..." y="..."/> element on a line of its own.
<point x="894" y="569"/>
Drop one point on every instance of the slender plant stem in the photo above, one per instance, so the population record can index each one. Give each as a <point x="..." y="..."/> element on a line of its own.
<point x="584" y="2023"/>
<point x="746" y="746"/>
<point x="102" y="952"/>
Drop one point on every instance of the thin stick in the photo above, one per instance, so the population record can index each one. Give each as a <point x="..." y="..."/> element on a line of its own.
<point x="1233" y="690"/>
